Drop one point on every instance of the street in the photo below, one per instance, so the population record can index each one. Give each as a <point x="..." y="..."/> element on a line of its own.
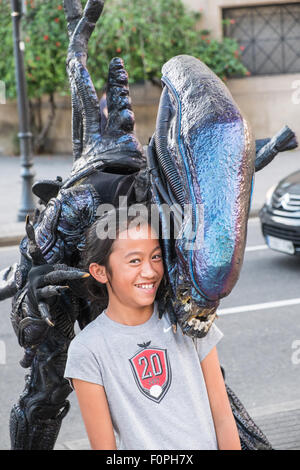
<point x="260" y="350"/>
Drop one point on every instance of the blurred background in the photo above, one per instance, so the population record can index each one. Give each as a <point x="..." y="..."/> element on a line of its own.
<point x="253" y="47"/>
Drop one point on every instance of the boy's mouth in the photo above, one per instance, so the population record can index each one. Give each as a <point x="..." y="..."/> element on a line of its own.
<point x="146" y="286"/>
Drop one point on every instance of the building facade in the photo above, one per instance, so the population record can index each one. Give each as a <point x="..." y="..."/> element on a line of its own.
<point x="268" y="33"/>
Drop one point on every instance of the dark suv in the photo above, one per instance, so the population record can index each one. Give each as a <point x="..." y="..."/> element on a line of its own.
<point x="280" y="215"/>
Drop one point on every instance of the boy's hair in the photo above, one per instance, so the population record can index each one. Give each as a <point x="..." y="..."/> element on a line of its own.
<point x="98" y="249"/>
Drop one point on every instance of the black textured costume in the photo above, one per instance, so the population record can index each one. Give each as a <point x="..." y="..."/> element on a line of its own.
<point x="202" y="154"/>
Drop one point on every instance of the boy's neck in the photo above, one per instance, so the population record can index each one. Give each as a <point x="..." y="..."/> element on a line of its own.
<point x="128" y="315"/>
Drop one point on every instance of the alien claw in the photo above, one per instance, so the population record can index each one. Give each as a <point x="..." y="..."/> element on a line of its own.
<point x="56" y="277"/>
<point x="49" y="322"/>
<point x="43" y="309"/>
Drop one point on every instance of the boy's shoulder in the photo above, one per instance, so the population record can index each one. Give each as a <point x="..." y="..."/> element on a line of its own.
<point x="95" y="329"/>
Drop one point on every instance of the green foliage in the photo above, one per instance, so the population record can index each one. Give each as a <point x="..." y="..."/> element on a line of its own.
<point x="45" y="37"/>
<point x="46" y="42"/>
<point x="7" y="68"/>
<point x="145" y="33"/>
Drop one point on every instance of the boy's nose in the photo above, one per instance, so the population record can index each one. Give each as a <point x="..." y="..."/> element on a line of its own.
<point x="148" y="271"/>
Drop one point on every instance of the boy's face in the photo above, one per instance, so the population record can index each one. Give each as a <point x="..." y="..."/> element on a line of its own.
<point x="136" y="267"/>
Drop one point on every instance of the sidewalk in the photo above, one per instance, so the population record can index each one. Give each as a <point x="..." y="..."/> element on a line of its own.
<point x="48" y="167"/>
<point x="281" y="425"/>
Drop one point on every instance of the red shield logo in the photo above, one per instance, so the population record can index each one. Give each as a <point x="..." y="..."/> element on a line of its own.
<point x="152" y="372"/>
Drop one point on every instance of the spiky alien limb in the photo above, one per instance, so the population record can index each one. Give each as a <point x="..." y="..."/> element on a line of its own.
<point x="43" y="317"/>
<point x="46" y="285"/>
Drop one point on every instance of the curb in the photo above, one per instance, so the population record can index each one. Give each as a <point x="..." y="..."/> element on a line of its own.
<point x="6" y="241"/>
<point x="11" y="240"/>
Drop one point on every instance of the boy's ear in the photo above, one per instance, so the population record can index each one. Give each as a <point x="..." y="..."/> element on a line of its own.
<point x="98" y="272"/>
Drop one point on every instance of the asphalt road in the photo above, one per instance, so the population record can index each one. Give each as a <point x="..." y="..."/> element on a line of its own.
<point x="260" y="350"/>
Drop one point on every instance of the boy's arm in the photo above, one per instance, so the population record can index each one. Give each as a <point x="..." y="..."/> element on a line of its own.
<point x="225" y="426"/>
<point x="96" y="415"/>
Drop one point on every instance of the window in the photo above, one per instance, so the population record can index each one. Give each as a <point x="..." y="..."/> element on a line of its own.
<point x="269" y="37"/>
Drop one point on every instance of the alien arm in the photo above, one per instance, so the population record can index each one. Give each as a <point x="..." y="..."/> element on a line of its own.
<point x="267" y="149"/>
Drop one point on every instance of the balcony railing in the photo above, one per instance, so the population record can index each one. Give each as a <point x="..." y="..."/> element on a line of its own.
<point x="269" y="37"/>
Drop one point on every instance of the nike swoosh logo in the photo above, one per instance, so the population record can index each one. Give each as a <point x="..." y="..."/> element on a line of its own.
<point x="167" y="329"/>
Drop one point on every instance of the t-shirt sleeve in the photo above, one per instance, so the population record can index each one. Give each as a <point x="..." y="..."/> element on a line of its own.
<point x="207" y="343"/>
<point x="82" y="364"/>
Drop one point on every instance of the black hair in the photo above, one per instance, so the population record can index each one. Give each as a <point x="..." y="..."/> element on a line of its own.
<point x="98" y="248"/>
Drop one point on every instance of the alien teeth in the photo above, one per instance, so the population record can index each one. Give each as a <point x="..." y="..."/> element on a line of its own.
<point x="195" y="324"/>
<point x="145" y="286"/>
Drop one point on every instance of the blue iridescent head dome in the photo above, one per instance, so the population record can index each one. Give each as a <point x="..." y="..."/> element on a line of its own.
<point x="205" y="150"/>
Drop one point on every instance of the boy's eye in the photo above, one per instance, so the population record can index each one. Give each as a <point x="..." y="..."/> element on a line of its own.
<point x="156" y="257"/>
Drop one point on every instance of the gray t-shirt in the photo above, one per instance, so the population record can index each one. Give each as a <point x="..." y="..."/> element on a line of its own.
<point x="153" y="381"/>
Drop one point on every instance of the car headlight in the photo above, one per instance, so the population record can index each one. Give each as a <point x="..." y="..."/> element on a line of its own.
<point x="269" y="195"/>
